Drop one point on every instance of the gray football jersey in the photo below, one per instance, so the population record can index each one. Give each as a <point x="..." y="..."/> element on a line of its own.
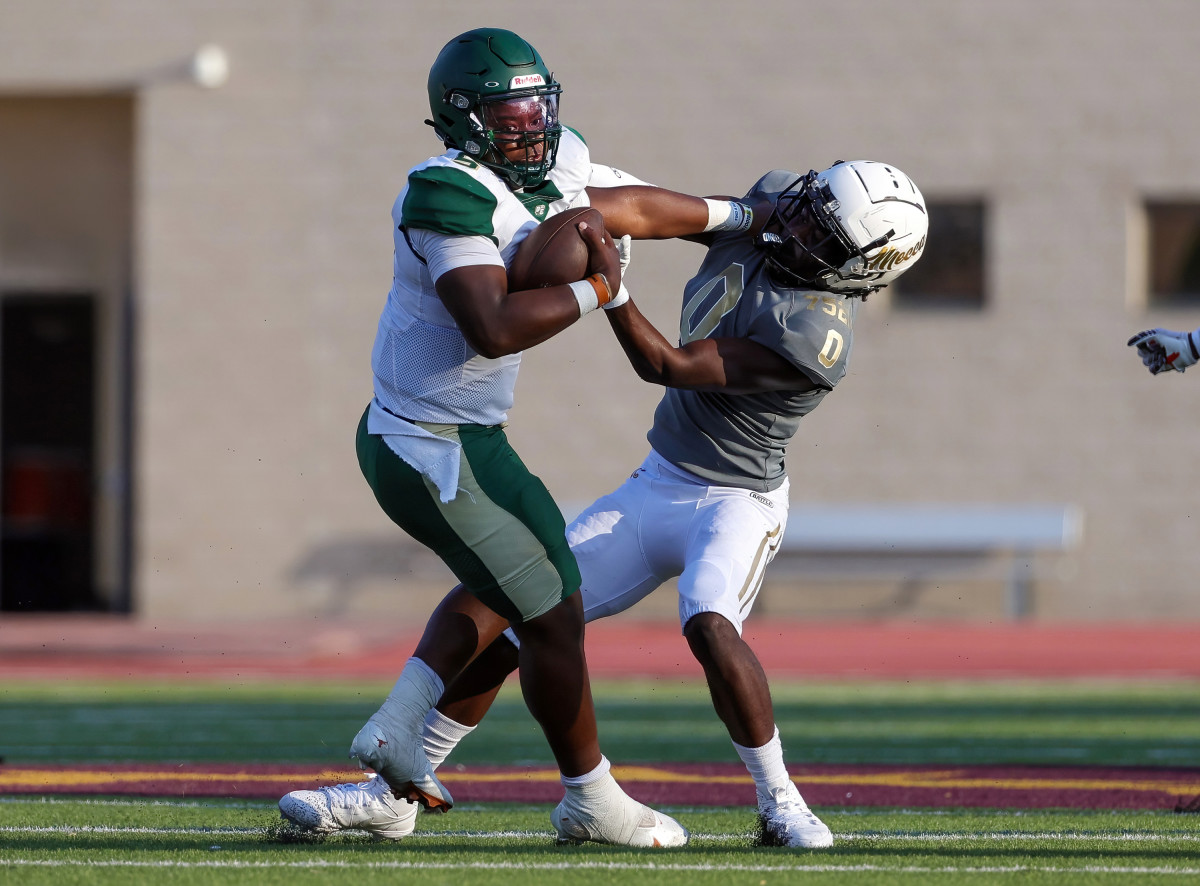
<point x="739" y="439"/>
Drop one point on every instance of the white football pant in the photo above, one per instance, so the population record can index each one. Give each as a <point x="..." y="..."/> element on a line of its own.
<point x="665" y="522"/>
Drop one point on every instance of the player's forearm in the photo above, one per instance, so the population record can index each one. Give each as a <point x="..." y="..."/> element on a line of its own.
<point x="656" y="360"/>
<point x="496" y="322"/>
<point x="521" y="320"/>
<point x="649" y="213"/>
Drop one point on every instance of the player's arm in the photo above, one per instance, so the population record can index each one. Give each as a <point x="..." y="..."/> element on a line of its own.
<point x="646" y="212"/>
<point x="496" y="322"/>
<point x="727" y="365"/>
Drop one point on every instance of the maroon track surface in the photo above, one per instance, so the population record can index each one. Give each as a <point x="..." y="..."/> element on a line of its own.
<point x="71" y="648"/>
<point x="60" y="649"/>
<point x="1022" y="787"/>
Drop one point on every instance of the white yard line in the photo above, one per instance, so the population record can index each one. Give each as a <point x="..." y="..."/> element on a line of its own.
<point x="426" y="865"/>
<point x="880" y="836"/>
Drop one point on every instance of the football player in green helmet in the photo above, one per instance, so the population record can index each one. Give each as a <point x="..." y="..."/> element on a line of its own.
<point x="432" y="446"/>
<point x="492" y="97"/>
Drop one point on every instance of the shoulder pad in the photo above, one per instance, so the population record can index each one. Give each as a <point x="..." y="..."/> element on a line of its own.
<point x="573" y="167"/>
<point x="448" y="200"/>
<point x="773" y="184"/>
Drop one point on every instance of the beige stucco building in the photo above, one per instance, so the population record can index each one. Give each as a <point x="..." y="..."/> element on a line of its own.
<point x="233" y="243"/>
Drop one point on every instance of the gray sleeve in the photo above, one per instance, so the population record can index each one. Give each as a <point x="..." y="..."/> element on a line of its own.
<point x="807" y="332"/>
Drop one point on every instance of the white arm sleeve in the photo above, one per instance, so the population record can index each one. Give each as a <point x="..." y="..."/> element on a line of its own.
<point x="445" y="252"/>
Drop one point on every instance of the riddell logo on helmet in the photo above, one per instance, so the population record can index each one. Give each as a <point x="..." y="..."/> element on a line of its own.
<point x="887" y="258"/>
<point x="523" y="80"/>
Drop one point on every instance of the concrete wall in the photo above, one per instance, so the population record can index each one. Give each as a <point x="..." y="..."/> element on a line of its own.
<point x="262" y="256"/>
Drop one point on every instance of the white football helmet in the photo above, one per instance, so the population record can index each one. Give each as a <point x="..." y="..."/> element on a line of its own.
<point x="853" y="228"/>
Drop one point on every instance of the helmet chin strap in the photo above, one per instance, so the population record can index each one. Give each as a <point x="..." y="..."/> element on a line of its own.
<point x="875" y="244"/>
<point x="880" y="241"/>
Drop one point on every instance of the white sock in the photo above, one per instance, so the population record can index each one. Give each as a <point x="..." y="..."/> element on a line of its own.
<point x="441" y="735"/>
<point x="765" y="765"/>
<point x="579" y="781"/>
<point x="415" y="693"/>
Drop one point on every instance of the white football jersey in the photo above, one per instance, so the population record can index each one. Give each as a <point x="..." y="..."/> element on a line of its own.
<point x="454" y="212"/>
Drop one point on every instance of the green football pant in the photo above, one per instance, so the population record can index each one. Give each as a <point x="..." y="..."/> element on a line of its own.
<point x="502" y="535"/>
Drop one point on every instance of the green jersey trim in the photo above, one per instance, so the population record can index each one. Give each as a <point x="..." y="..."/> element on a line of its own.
<point x="449" y="201"/>
<point x="537" y="201"/>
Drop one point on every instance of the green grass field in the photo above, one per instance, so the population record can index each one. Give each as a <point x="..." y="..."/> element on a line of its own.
<point x="121" y="840"/>
<point x="1108" y="724"/>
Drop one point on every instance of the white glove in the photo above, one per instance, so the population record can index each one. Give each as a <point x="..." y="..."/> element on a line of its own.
<point x="1162" y="350"/>
<point x="625" y="251"/>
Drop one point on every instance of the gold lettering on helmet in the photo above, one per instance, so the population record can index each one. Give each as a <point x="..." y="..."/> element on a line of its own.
<point x="888" y="258"/>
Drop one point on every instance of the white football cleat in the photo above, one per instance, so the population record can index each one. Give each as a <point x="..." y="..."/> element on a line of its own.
<point x="787" y="821"/>
<point x="402" y="763"/>
<point x="367" y="806"/>
<point x="603" y="813"/>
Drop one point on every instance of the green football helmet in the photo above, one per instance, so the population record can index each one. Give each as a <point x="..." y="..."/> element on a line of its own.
<point x="493" y="98"/>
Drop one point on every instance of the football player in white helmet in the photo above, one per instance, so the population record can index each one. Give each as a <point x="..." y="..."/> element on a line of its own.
<point x="866" y="223"/>
<point x="1163" y="350"/>
<point x="766" y="331"/>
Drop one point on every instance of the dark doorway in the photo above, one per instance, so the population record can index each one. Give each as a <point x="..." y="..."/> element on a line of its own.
<point x="47" y="444"/>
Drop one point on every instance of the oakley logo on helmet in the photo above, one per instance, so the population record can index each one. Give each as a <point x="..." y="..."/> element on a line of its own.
<point x="523" y="80"/>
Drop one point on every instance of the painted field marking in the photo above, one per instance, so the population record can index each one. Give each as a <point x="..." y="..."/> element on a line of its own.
<point x="905" y="837"/>
<point x="607" y="866"/>
<point x="57" y="778"/>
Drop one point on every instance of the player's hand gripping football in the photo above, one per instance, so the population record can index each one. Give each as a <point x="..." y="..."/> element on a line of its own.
<point x="1162" y="350"/>
<point x="604" y="257"/>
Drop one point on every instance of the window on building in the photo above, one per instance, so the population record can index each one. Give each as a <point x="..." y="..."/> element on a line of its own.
<point x="950" y="273"/>
<point x="1174" y="253"/>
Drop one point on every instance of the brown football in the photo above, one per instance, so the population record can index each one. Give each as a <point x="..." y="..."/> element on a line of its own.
<point x="553" y="253"/>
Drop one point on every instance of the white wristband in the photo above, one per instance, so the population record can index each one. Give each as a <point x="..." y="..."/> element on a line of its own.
<point x="728" y="215"/>
<point x="585" y="294"/>
<point x="601" y="293"/>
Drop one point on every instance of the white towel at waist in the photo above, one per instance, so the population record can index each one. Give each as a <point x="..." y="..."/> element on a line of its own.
<point x="435" y="457"/>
